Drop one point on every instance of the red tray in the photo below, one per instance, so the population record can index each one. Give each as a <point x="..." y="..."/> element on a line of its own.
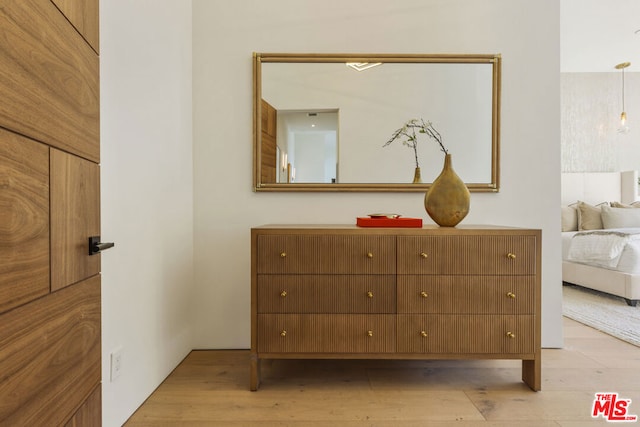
<point x="388" y="222"/>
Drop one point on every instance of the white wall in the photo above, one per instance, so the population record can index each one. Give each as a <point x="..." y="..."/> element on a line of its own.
<point x="147" y="195"/>
<point x="598" y="34"/>
<point x="591" y="107"/>
<point x="226" y="33"/>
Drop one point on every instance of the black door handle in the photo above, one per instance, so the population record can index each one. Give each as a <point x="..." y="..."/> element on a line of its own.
<point x="95" y="245"/>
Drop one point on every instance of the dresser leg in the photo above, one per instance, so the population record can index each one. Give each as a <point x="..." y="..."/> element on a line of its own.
<point x="532" y="373"/>
<point x="254" y="373"/>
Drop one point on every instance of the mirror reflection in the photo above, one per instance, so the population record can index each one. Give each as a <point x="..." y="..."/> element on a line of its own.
<point x="321" y="123"/>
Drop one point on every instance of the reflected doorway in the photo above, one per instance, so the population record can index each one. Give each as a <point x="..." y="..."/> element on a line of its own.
<point x="308" y="146"/>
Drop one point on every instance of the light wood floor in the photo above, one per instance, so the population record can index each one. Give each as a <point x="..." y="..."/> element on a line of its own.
<point x="210" y="388"/>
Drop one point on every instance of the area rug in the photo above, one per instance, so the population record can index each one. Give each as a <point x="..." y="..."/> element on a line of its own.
<point x="604" y="312"/>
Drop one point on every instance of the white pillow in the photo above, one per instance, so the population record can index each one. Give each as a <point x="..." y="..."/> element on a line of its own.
<point x="569" y="218"/>
<point x="620" y="217"/>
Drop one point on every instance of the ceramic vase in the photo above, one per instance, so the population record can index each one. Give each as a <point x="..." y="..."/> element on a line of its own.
<point x="447" y="200"/>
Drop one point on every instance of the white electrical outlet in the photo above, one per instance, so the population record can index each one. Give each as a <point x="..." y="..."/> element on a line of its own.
<point x="116" y="363"/>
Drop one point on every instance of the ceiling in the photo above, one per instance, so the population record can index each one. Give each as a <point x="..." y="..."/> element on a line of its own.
<point x="595" y="35"/>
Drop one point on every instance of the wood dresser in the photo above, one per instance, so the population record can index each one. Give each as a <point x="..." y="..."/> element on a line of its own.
<point x="346" y="292"/>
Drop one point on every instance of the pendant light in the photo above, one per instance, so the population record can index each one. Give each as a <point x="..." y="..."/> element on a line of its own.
<point x="623" y="116"/>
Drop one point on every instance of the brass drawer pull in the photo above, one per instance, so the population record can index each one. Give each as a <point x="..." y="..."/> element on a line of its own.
<point x="369" y="255"/>
<point x="423" y="294"/>
<point x="424" y="255"/>
<point x="511" y="295"/>
<point x="369" y="333"/>
<point x="423" y="334"/>
<point x="283" y="333"/>
<point x="283" y="254"/>
<point x="283" y="294"/>
<point x="511" y="255"/>
<point x="511" y="335"/>
<point x="370" y="294"/>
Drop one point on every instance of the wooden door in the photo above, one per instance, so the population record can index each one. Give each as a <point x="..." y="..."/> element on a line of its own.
<point x="268" y="150"/>
<point x="50" y="352"/>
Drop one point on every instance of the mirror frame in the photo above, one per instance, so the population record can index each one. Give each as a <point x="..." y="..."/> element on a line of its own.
<point x="259" y="58"/>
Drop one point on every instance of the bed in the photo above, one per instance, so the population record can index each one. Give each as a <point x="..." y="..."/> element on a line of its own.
<point x="601" y="232"/>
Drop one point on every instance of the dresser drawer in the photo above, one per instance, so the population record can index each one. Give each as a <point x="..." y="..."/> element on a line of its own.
<point x="326" y="293"/>
<point x="315" y="333"/>
<point x="467" y="254"/>
<point x="466" y="334"/>
<point x="466" y="294"/>
<point x="326" y="254"/>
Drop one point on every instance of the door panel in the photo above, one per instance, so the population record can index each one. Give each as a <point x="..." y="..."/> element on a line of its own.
<point x="51" y="362"/>
<point x="50" y="355"/>
<point x="269" y="136"/>
<point x="49" y="78"/>
<point x="75" y="215"/>
<point x="83" y="15"/>
<point x="90" y="412"/>
<point x="24" y="220"/>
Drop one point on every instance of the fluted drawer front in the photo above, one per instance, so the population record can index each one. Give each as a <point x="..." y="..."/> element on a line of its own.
<point x="327" y="253"/>
<point x="316" y="333"/>
<point x="326" y="293"/>
<point x="467" y="254"/>
<point x="466" y="294"/>
<point x="471" y="334"/>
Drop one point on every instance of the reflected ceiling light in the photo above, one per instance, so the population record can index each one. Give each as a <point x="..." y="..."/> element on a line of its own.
<point x="361" y="66"/>
<point x="623" y="116"/>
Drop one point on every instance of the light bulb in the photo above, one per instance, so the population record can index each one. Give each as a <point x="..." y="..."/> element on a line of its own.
<point x="623" y="129"/>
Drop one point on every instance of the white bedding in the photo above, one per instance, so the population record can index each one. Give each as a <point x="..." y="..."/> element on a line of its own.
<point x="614" y="249"/>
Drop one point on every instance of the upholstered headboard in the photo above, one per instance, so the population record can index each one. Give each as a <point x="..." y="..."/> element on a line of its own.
<point x="598" y="187"/>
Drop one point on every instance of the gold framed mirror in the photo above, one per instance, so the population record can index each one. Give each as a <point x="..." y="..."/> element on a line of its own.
<point x="321" y="121"/>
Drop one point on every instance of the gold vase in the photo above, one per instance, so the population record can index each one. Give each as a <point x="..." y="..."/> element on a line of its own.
<point x="417" y="178"/>
<point x="447" y="200"/>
